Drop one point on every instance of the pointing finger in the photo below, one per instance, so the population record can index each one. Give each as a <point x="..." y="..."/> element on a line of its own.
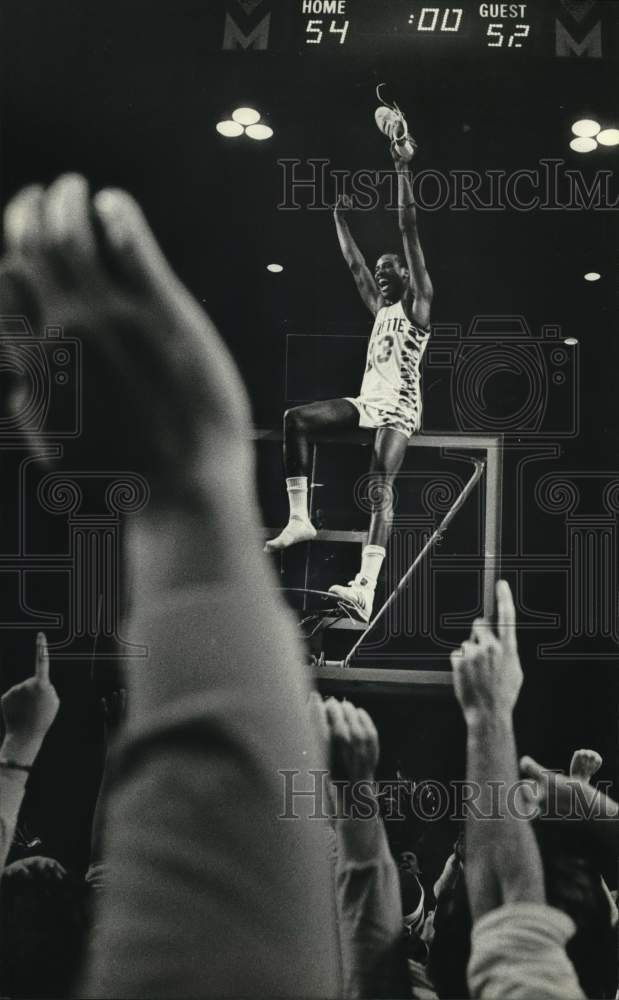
<point x="42" y="659"/>
<point x="506" y="614"/>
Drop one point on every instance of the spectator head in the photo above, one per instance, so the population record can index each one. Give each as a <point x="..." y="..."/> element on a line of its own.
<point x="43" y="924"/>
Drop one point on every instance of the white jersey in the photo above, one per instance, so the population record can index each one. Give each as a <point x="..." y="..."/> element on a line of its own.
<point x="390" y="393"/>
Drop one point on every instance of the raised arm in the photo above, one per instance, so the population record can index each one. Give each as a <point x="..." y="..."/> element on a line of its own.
<point x="512" y="905"/>
<point x="556" y="795"/>
<point x="503" y="863"/>
<point x="368" y="887"/>
<point x="421" y="291"/>
<point x="355" y="259"/>
<point x="203" y="897"/>
<point x="28" y="711"/>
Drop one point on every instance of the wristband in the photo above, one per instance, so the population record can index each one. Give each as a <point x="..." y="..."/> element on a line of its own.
<point x="12" y="765"/>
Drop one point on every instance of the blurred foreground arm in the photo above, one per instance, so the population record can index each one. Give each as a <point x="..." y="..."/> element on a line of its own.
<point x="204" y="892"/>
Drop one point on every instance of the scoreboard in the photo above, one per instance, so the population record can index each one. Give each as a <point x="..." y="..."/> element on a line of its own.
<point x="563" y="29"/>
<point x="499" y="23"/>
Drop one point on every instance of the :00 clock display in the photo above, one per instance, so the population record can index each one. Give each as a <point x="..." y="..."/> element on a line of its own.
<point x="446" y="19"/>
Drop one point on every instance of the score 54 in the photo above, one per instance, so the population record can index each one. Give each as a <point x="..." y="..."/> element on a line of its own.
<point x="316" y="29"/>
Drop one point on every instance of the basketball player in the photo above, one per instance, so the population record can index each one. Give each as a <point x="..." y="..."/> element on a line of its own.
<point x="399" y="296"/>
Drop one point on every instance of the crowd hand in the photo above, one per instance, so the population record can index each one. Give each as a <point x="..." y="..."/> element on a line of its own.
<point x="36" y="867"/>
<point x="555" y="795"/>
<point x="164" y="397"/>
<point x="353" y="753"/>
<point x="354" y="748"/>
<point x="584" y="764"/>
<point x="28" y="710"/>
<point x="348" y="736"/>
<point x="350" y="742"/>
<point x="487" y="671"/>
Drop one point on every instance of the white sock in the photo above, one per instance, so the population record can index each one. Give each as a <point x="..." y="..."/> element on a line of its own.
<point x="371" y="562"/>
<point x="297" y="497"/>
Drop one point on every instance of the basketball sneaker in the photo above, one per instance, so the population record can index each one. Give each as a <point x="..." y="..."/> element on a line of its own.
<point x="359" y="593"/>
<point x="392" y="123"/>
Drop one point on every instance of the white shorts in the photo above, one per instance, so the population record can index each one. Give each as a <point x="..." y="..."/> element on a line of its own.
<point x="375" y="415"/>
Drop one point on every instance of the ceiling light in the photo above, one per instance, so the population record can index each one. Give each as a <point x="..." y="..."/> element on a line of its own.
<point x="592" y="276"/>
<point x="230" y="129"/>
<point x="583" y="144"/>
<point x="248" y="116"/>
<point x="275" y="268"/>
<point x="609" y="137"/>
<point x="586" y="127"/>
<point x="570" y="341"/>
<point x="259" y="131"/>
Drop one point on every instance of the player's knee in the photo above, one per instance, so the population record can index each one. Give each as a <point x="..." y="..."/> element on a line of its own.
<point x="382" y="467"/>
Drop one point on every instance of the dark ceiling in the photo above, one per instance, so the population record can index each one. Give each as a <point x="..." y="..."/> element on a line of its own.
<point x="129" y="93"/>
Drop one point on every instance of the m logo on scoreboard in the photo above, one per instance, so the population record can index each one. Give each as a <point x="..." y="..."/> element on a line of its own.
<point x="590" y="44"/>
<point x="254" y="38"/>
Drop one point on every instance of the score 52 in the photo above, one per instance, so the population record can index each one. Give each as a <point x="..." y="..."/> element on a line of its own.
<point x="315" y="27"/>
<point x="514" y="38"/>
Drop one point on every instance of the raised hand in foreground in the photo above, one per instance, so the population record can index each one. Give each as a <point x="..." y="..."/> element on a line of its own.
<point x="503" y="862"/>
<point x="368" y="888"/>
<point x="161" y="395"/>
<point x="503" y="866"/>
<point x="558" y="796"/>
<point x="487" y="670"/>
<point x="28" y="710"/>
<point x="354" y="741"/>
<point x="584" y="764"/>
<point x="220" y="708"/>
